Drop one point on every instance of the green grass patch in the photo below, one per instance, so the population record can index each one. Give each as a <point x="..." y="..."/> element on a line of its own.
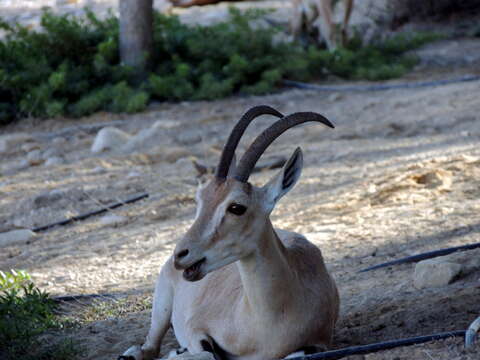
<point x="72" y="67"/>
<point x="27" y="313"/>
<point x="106" y="309"/>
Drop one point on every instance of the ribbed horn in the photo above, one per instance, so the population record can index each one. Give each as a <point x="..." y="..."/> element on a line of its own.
<point x="236" y="134"/>
<point x="261" y="143"/>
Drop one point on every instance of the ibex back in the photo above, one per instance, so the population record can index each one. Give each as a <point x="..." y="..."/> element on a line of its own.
<point x="236" y="286"/>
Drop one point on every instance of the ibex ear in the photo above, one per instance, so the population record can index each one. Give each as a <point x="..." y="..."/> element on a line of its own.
<point x="284" y="181"/>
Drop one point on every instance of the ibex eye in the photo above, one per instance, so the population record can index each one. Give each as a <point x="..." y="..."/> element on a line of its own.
<point x="236" y="209"/>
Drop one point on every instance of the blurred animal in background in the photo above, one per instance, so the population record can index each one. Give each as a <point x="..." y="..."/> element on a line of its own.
<point x="308" y="16"/>
<point x="311" y="16"/>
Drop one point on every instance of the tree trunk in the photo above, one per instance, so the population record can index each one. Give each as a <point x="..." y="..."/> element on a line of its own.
<point x="136" y="33"/>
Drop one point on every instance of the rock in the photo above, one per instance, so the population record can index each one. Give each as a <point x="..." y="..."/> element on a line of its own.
<point x="30" y="146"/>
<point x="47" y="198"/>
<point x="143" y="139"/>
<point x="34" y="157"/>
<point x="436" y="179"/>
<point x="148" y="137"/>
<point x="133" y="174"/>
<point x="335" y="97"/>
<point x="16" y="237"/>
<point x="50" y="152"/>
<point x="185" y="165"/>
<point x="54" y="160"/>
<point x="13" y="167"/>
<point x="188" y="138"/>
<point x="169" y="154"/>
<point x="109" y="138"/>
<point x="10" y="142"/>
<point x="98" y="170"/>
<point x="58" y="141"/>
<point x="435" y="272"/>
<point x="113" y="220"/>
<point x="173" y="154"/>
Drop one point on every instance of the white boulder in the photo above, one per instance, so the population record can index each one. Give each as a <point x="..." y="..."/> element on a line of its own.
<point x="435" y="272"/>
<point x="54" y="160"/>
<point x="34" y="157"/>
<point x="109" y="138"/>
<point x="16" y="237"/>
<point x="12" y="141"/>
<point x="113" y="220"/>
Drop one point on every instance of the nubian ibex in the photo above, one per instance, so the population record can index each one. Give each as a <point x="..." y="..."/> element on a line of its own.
<point x="235" y="285"/>
<point x="319" y="13"/>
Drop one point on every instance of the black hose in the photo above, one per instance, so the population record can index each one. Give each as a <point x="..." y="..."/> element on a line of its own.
<point x="67" y="298"/>
<point x="423" y="256"/>
<point x="91" y="213"/>
<point x="379" y="87"/>
<point x="366" y="349"/>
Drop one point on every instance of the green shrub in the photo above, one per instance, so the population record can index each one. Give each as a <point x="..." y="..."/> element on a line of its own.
<point x="72" y="66"/>
<point x="25" y="313"/>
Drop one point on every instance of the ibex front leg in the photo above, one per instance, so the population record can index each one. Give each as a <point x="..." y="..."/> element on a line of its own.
<point x="161" y="317"/>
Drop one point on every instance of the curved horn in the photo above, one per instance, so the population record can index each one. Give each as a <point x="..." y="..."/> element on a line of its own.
<point x="236" y="134"/>
<point x="261" y="143"/>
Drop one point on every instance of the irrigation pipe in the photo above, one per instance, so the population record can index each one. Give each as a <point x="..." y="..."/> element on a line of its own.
<point x="471" y="333"/>
<point x="423" y="256"/>
<point x="380" y="87"/>
<point x="68" y="298"/>
<point x="386" y="345"/>
<point x="91" y="213"/>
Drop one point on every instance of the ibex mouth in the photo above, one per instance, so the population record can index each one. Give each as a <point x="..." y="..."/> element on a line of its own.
<point x="194" y="272"/>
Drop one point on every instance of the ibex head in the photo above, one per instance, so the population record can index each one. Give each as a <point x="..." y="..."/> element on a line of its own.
<point x="232" y="213"/>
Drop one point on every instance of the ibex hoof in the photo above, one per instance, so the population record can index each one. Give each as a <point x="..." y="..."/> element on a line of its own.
<point x="133" y="353"/>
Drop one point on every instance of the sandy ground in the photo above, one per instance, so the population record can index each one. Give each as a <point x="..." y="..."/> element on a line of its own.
<point x="399" y="175"/>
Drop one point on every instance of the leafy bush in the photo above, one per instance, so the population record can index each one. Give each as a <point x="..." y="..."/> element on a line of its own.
<point x="72" y="67"/>
<point x="14" y="279"/>
<point x="380" y="61"/>
<point x="25" y="313"/>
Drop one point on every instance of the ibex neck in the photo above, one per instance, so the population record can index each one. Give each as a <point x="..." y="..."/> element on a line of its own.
<point x="265" y="275"/>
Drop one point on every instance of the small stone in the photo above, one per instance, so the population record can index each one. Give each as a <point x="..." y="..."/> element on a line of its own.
<point x="54" y="160"/>
<point x="113" y="220"/>
<point x="30" y="146"/>
<point x="109" y="138"/>
<point x="50" y="152"/>
<point x="11" y="141"/>
<point x="435" y="272"/>
<point x="47" y="198"/>
<point x="437" y="179"/>
<point x="169" y="154"/>
<point x="185" y="164"/>
<point x="34" y="157"/>
<point x="133" y="174"/>
<point x="13" y="167"/>
<point x="173" y="154"/>
<point x="16" y="237"/>
<point x="335" y="97"/>
<point x="59" y="141"/>
<point x="98" y="170"/>
<point x="188" y="138"/>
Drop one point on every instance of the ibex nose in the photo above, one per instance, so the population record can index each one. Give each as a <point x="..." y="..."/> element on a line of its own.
<point x="177" y="258"/>
<point x="181" y="254"/>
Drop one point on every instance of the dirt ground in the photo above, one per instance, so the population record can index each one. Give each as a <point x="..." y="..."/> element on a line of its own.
<point x="399" y="175"/>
